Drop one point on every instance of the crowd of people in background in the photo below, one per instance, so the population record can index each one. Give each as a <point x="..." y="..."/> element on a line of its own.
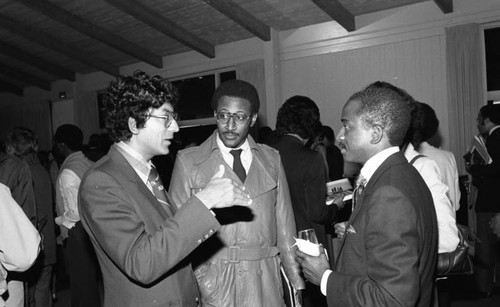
<point x="138" y="217"/>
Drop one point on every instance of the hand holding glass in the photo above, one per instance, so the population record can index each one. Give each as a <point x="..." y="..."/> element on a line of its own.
<point x="308" y="242"/>
<point x="308" y="235"/>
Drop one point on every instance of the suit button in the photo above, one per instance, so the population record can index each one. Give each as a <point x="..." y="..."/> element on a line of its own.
<point x="211" y="232"/>
<point x="199" y="241"/>
<point x="205" y="236"/>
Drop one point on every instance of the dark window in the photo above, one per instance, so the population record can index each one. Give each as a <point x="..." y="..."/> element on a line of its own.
<point x="492" y="48"/>
<point x="195" y="94"/>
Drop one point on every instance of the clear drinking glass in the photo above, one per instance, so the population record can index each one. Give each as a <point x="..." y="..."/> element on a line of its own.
<point x="308" y="235"/>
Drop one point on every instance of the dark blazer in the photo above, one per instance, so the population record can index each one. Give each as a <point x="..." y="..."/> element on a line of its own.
<point x="391" y="258"/>
<point x="140" y="248"/>
<point x="306" y="175"/>
<point x="488" y="176"/>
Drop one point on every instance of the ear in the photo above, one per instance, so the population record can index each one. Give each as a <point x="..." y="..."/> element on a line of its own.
<point x="132" y="125"/>
<point x="253" y="119"/>
<point x="377" y="133"/>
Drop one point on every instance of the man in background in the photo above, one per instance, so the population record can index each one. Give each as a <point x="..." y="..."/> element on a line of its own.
<point x="486" y="177"/>
<point x="445" y="159"/>
<point x="334" y="157"/>
<point x="19" y="245"/>
<point x="83" y="270"/>
<point x="296" y="124"/>
<point x="389" y="250"/>
<point x="23" y="143"/>
<point x="16" y="175"/>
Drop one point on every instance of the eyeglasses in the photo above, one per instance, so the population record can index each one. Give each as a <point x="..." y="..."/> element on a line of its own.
<point x="168" y="118"/>
<point x="239" y="118"/>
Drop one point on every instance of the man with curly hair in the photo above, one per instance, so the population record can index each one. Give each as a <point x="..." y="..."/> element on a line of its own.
<point x="141" y="236"/>
<point x="297" y="123"/>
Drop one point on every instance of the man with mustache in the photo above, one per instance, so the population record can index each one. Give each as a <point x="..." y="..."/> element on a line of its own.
<point x="240" y="266"/>
<point x="389" y="250"/>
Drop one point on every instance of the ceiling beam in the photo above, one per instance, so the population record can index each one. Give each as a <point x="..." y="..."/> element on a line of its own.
<point x="337" y="12"/>
<point x="446" y="6"/>
<point x="7" y="87"/>
<point x="150" y="17"/>
<point x="57" y="45"/>
<point x="34" y="60"/>
<point x="94" y="31"/>
<point x="13" y="73"/>
<point x="242" y="17"/>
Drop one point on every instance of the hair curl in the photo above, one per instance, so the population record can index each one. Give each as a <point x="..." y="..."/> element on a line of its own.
<point x="388" y="106"/>
<point x="133" y="97"/>
<point x="298" y="115"/>
<point x="21" y="141"/>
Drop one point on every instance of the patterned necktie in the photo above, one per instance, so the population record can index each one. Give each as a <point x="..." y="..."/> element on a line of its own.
<point x="360" y="185"/>
<point x="158" y="189"/>
<point x="237" y="166"/>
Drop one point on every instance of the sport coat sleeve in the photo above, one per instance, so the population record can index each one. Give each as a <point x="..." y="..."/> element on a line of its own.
<point x="315" y="192"/>
<point x="390" y="239"/>
<point x="123" y="222"/>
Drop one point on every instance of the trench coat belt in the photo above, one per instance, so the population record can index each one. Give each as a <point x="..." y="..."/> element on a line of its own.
<point x="237" y="254"/>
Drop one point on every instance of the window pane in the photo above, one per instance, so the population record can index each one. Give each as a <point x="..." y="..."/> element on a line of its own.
<point x="492" y="46"/>
<point x="194" y="97"/>
<point x="228" y="75"/>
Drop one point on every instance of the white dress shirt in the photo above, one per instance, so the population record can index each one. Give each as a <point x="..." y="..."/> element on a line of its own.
<point x="448" y="166"/>
<point x="68" y="184"/>
<point x="445" y="213"/>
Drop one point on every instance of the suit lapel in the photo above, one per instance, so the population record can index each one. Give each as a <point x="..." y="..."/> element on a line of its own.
<point x="132" y="182"/>
<point x="390" y="161"/>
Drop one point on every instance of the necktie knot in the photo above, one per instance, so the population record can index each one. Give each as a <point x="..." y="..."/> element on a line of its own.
<point x="360" y="181"/>
<point x="237" y="165"/>
<point x="236" y="153"/>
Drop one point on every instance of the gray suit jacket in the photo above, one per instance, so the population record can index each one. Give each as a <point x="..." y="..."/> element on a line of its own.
<point x="391" y="259"/>
<point x="141" y="249"/>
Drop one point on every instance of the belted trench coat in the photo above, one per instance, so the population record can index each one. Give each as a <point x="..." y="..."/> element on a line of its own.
<point x="240" y="264"/>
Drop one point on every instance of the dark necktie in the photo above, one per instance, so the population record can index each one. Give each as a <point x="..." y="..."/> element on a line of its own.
<point x="360" y="185"/>
<point x="158" y="189"/>
<point x="237" y="166"/>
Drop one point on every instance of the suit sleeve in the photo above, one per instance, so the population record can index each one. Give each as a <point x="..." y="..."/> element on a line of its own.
<point x="109" y="214"/>
<point x="391" y="243"/>
<point x="315" y="192"/>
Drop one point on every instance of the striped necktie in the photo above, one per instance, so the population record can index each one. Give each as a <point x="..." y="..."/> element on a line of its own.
<point x="237" y="166"/>
<point x="158" y="189"/>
